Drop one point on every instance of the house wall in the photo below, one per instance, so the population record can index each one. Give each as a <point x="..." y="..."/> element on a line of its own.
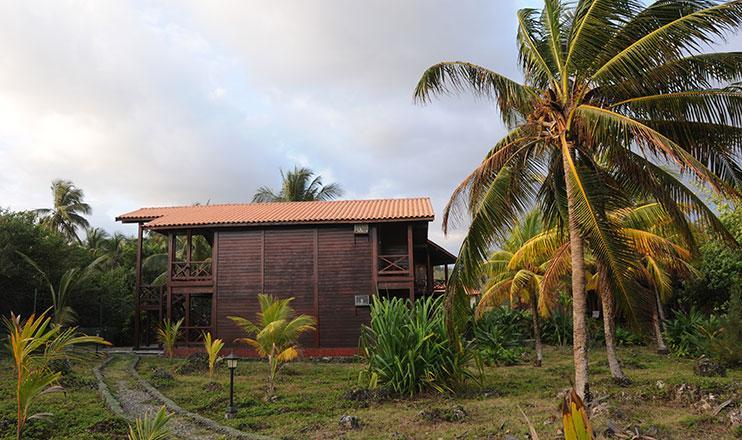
<point x="322" y="267"/>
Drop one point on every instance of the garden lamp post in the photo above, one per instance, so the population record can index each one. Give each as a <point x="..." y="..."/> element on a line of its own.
<point x="231" y="364"/>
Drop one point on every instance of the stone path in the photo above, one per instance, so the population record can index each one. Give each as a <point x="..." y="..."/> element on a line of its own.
<point x="136" y="401"/>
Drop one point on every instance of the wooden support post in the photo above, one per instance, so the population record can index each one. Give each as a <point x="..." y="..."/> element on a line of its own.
<point x="138" y="289"/>
<point x="410" y="259"/>
<point x="170" y="258"/>
<point x="445" y="274"/>
<point x="429" y="270"/>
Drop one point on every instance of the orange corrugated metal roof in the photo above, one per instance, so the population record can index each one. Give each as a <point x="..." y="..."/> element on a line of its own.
<point x="337" y="211"/>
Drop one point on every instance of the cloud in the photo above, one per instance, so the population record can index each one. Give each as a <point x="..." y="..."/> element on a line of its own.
<point x="145" y="104"/>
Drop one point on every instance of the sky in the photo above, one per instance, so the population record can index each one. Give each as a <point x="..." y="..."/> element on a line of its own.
<point x="169" y="103"/>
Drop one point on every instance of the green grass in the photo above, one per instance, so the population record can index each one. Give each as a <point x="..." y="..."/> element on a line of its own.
<point x="76" y="414"/>
<point x="312" y="397"/>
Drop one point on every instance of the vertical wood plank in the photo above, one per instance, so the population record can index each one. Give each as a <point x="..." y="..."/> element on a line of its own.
<point x="315" y="286"/>
<point x="410" y="255"/>
<point x="374" y="260"/>
<point x="262" y="261"/>
<point x="215" y="278"/>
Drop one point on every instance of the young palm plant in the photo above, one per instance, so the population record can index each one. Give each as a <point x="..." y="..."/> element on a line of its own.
<point x="518" y="281"/>
<point x="151" y="426"/>
<point x="274" y="335"/>
<point x="613" y="89"/>
<point x="168" y="334"/>
<point x="212" y="347"/>
<point x="34" y="343"/>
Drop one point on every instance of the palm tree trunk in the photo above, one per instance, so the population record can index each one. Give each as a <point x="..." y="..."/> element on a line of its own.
<point x="579" y="297"/>
<point x="609" y="327"/>
<point x="536" y="333"/>
<point x="661" y="347"/>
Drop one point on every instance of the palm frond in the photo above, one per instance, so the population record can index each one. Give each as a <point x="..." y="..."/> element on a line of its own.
<point x="671" y="40"/>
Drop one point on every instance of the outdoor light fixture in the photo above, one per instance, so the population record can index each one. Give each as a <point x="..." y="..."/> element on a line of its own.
<point x="231" y="364"/>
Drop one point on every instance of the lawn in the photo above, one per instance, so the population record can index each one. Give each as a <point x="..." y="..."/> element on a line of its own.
<point x="78" y="413"/>
<point x="313" y="395"/>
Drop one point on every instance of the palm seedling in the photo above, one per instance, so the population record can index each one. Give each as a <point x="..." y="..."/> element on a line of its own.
<point x="168" y="334"/>
<point x="212" y="347"/>
<point x="34" y="343"/>
<point x="151" y="426"/>
<point x="612" y="90"/>
<point x="274" y="334"/>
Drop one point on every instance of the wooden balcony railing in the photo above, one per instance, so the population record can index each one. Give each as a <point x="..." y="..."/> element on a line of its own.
<point x="191" y="270"/>
<point x="394" y="264"/>
<point x="150" y="297"/>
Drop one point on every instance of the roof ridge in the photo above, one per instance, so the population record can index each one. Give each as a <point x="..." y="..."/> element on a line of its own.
<point x="391" y="199"/>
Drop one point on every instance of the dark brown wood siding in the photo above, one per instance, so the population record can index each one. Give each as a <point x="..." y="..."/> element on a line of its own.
<point x="344" y="268"/>
<point x="238" y="279"/>
<point x="289" y="268"/>
<point x="281" y="262"/>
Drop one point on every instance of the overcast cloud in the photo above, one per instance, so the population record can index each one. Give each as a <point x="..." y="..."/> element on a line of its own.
<point x="148" y="103"/>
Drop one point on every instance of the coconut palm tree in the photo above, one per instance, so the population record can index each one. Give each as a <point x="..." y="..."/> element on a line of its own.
<point x="67" y="214"/>
<point x="655" y="244"/>
<point x="94" y="239"/>
<point x="299" y="185"/>
<point x="612" y="90"/>
<point x="517" y="281"/>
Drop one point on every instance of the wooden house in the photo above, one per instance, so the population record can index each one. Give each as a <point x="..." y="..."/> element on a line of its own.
<point x="332" y="257"/>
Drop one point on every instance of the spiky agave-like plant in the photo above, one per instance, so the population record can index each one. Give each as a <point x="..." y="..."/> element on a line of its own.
<point x="613" y="89"/>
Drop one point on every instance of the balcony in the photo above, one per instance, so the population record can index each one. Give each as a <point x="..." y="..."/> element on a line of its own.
<point x="191" y="270"/>
<point x="394" y="264"/>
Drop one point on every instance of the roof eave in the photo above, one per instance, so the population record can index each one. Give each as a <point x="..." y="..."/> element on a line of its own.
<point x="304" y="223"/>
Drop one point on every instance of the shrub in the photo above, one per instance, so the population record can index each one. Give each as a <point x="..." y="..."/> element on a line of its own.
<point x="688" y="332"/>
<point x="499" y="335"/>
<point x="407" y="350"/>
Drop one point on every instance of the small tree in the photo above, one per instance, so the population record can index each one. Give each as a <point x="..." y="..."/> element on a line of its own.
<point x="168" y="334"/>
<point x="34" y="343"/>
<point x="275" y="333"/>
<point x="213" y="347"/>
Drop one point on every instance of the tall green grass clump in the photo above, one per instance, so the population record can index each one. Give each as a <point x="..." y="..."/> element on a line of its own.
<point x="407" y="349"/>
